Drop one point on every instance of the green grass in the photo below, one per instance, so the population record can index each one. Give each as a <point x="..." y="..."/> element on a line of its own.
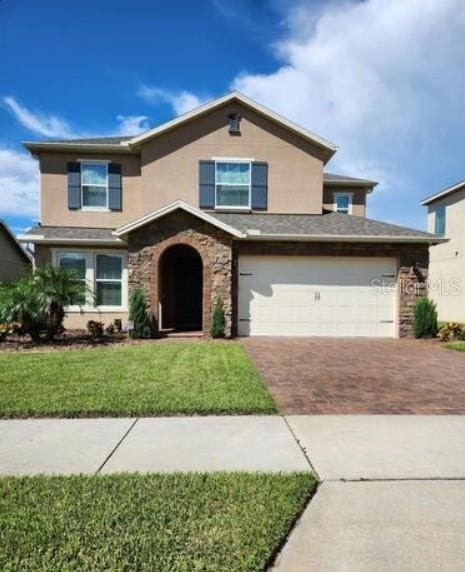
<point x="146" y="379"/>
<point x="459" y="346"/>
<point x="165" y="523"/>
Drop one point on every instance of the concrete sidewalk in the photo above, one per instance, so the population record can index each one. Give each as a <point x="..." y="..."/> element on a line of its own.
<point x="65" y="446"/>
<point x="401" y="521"/>
<point x="353" y="447"/>
<point x="395" y="526"/>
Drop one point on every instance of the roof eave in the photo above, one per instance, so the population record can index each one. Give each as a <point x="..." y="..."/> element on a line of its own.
<point x="445" y="192"/>
<point x="368" y="185"/>
<point x="35" y="147"/>
<point x="40" y="239"/>
<point x="345" y="238"/>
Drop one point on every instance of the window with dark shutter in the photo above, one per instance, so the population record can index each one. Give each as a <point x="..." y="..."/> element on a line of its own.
<point x="259" y="185"/>
<point x="74" y="186"/>
<point x="115" y="198"/>
<point x="207" y="184"/>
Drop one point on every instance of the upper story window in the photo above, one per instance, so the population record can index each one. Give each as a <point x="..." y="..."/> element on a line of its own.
<point x="94" y="185"/>
<point x="343" y="203"/>
<point x="232" y="184"/>
<point x="440" y="220"/>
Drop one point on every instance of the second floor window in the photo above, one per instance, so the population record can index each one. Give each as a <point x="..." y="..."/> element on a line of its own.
<point x="342" y="203"/>
<point x="440" y="220"/>
<point x="232" y="182"/>
<point x="94" y="185"/>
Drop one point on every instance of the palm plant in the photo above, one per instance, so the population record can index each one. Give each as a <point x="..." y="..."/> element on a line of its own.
<point x="38" y="301"/>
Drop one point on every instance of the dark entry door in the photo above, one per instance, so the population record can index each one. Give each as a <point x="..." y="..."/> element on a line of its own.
<point x="188" y="293"/>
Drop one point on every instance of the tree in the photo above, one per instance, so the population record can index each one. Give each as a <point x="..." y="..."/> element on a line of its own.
<point x="139" y="316"/>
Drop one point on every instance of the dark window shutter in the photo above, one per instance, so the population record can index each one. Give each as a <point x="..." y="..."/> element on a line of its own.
<point x="115" y="202"/>
<point x="74" y="186"/>
<point x="259" y="185"/>
<point x="207" y="184"/>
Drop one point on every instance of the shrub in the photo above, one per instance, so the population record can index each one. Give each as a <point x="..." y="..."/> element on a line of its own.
<point x="425" y="323"/>
<point x="218" y="326"/>
<point x="38" y="301"/>
<point x="139" y="316"/>
<point x="451" y="331"/>
<point x="95" y="328"/>
<point x="118" y="324"/>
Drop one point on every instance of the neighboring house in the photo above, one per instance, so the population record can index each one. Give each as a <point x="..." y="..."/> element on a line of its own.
<point x="14" y="260"/>
<point x="229" y="200"/>
<point x="446" y="216"/>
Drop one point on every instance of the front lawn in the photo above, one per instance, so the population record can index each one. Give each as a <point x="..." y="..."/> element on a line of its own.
<point x="168" y="523"/>
<point x="459" y="346"/>
<point x="165" y="378"/>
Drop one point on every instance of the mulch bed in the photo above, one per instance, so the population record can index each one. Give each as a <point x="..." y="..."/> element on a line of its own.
<point x="70" y="339"/>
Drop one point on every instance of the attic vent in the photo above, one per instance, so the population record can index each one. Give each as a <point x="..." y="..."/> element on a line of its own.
<point x="234" y="123"/>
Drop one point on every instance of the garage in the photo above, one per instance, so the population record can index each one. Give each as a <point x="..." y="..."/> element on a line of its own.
<point x="317" y="296"/>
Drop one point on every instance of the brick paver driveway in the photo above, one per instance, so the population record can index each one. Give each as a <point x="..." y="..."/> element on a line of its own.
<point x="321" y="375"/>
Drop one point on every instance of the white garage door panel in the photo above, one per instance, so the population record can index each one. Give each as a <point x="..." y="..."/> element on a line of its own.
<point x="316" y="296"/>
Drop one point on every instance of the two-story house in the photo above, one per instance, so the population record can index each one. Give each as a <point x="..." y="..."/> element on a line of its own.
<point x="227" y="201"/>
<point x="446" y="213"/>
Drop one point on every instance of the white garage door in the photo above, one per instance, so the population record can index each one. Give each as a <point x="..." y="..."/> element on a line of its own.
<point x="317" y="296"/>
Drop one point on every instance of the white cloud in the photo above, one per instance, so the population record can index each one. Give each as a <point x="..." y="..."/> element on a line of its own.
<point x="383" y="80"/>
<point x="19" y="184"/>
<point x="50" y="125"/>
<point x="132" y="124"/>
<point x="181" y="101"/>
<point x="39" y="123"/>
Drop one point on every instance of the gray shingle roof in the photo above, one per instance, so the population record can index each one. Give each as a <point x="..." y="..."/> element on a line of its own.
<point x="66" y="233"/>
<point x="344" y="179"/>
<point x="255" y="224"/>
<point x="334" y="224"/>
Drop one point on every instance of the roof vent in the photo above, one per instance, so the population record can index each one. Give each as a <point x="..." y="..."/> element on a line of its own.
<point x="253" y="231"/>
<point x="234" y="123"/>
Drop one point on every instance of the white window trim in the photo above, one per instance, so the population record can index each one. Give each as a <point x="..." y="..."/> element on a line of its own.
<point x="106" y="208"/>
<point x="91" y="275"/>
<point x="337" y="195"/>
<point x="247" y="207"/>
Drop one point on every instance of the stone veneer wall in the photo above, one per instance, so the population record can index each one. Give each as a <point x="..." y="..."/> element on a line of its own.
<point x="412" y="267"/>
<point x="147" y="244"/>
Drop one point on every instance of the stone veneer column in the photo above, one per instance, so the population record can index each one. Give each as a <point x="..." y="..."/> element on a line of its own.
<point x="147" y="244"/>
<point x="412" y="282"/>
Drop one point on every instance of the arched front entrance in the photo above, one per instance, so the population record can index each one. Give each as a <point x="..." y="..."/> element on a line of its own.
<point x="181" y="289"/>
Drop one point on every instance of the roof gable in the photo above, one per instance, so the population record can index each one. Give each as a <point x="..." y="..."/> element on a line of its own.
<point x="176" y="205"/>
<point x="242" y="99"/>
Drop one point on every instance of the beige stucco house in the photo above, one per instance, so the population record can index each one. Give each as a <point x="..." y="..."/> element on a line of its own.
<point x="15" y="261"/>
<point x="446" y="215"/>
<point x="228" y="201"/>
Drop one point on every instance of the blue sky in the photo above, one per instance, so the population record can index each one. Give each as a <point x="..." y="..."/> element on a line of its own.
<point x="383" y="80"/>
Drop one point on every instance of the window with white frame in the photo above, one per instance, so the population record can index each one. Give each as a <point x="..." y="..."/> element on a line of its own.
<point x="109" y="279"/>
<point x="103" y="275"/>
<point x="76" y="262"/>
<point x="94" y="185"/>
<point x="343" y="203"/>
<point x="232" y="184"/>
